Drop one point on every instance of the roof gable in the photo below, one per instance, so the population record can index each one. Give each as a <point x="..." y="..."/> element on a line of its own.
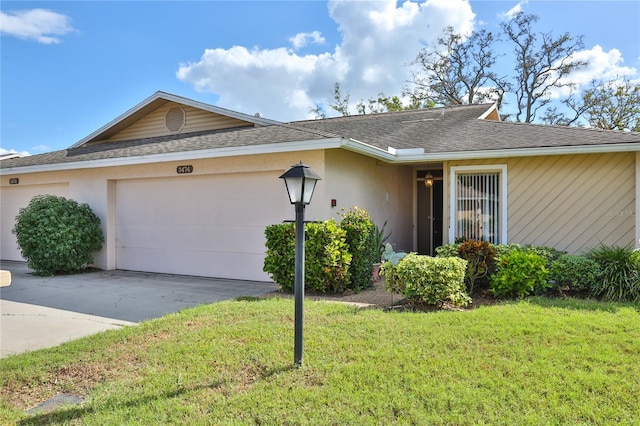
<point x="164" y="114"/>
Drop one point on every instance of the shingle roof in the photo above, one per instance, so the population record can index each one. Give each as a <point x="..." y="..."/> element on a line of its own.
<point x="438" y="130"/>
<point x="458" y="129"/>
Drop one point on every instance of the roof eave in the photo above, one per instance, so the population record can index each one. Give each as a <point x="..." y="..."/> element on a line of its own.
<point x="306" y="145"/>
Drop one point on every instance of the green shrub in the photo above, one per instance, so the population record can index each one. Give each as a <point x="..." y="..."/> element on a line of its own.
<point x="390" y="260"/>
<point x="361" y="242"/>
<point x="520" y="274"/>
<point x="57" y="235"/>
<point x="620" y="268"/>
<point x="481" y="261"/>
<point x="575" y="273"/>
<point x="550" y="254"/>
<point x="505" y="250"/>
<point x="448" y="250"/>
<point x="326" y="257"/>
<point x="430" y="280"/>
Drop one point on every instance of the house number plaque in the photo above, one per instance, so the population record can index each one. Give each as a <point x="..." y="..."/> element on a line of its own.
<point x="184" y="169"/>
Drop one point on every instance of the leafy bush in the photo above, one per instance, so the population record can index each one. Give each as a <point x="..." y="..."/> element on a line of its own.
<point x="620" y="268"/>
<point x="521" y="273"/>
<point x="448" y="250"/>
<point x="431" y="280"/>
<point x="57" y="235"/>
<point x="575" y="273"/>
<point x="550" y="254"/>
<point x="390" y="259"/>
<point x="361" y="243"/>
<point x="505" y="250"/>
<point x="481" y="261"/>
<point x="326" y="256"/>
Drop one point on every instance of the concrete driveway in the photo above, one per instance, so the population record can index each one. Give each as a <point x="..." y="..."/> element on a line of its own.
<point x="39" y="312"/>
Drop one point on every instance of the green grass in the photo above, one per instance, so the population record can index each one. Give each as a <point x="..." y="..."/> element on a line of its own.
<point x="531" y="362"/>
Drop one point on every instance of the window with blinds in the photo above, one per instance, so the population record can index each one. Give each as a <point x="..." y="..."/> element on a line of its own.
<point x="478" y="201"/>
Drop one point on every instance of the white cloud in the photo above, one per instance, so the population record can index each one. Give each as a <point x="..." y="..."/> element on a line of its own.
<point x="601" y="66"/>
<point x="40" y="25"/>
<point x="4" y="152"/>
<point x="300" y="40"/>
<point x="379" y="40"/>
<point x="509" y="14"/>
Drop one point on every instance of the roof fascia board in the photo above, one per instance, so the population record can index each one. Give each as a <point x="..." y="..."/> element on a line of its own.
<point x="330" y="143"/>
<point x="180" y="100"/>
<point x="520" y="152"/>
<point x="399" y="157"/>
<point x="307" y="145"/>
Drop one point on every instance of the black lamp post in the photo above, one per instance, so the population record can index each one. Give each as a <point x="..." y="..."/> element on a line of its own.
<point x="300" y="181"/>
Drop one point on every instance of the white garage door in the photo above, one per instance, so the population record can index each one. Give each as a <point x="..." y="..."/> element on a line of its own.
<point x="197" y="225"/>
<point x="12" y="199"/>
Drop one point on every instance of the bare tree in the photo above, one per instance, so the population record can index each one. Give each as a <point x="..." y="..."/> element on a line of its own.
<point x="542" y="63"/>
<point x="455" y="70"/>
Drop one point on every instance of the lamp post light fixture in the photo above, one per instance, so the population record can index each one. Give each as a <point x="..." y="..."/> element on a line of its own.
<point x="300" y="181"/>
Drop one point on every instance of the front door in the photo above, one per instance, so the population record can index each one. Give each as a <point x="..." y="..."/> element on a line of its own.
<point x="430" y="211"/>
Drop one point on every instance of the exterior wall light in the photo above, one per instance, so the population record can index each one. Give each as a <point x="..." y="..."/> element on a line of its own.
<point x="428" y="180"/>
<point x="300" y="181"/>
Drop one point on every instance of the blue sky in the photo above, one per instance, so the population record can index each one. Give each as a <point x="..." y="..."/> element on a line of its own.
<point x="68" y="68"/>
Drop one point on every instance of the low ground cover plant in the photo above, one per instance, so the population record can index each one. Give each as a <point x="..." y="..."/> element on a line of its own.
<point x="57" y="235"/>
<point x="538" y="361"/>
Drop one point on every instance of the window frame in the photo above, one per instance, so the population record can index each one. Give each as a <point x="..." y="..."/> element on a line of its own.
<point x="454" y="172"/>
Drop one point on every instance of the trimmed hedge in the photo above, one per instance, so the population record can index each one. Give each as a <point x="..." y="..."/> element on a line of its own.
<point x="327" y="258"/>
<point x="57" y="235"/>
<point x="427" y="279"/>
<point x="360" y="236"/>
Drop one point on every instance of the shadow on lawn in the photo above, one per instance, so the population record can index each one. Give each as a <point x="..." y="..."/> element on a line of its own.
<point x="71" y="413"/>
<point x="582" y="304"/>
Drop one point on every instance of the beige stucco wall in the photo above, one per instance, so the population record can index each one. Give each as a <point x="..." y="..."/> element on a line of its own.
<point x="570" y="202"/>
<point x="384" y="190"/>
<point x="12" y="199"/>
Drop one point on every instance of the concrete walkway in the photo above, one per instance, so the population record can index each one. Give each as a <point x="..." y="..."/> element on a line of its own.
<point x="39" y="312"/>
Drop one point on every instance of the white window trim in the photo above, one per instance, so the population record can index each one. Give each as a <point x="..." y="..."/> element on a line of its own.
<point x="453" y="177"/>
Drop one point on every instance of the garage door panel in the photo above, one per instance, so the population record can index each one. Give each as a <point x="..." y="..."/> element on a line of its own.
<point x="210" y="224"/>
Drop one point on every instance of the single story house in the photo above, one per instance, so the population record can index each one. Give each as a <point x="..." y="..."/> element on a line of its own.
<point x="188" y="188"/>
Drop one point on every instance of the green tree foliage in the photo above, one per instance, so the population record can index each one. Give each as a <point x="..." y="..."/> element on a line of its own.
<point x="57" y="235"/>
<point x="609" y="105"/>
<point x="374" y="105"/>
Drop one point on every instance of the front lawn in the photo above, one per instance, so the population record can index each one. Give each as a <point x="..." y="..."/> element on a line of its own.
<point x="537" y="361"/>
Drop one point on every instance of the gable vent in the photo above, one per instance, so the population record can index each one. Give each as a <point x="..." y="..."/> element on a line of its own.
<point x="175" y="119"/>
